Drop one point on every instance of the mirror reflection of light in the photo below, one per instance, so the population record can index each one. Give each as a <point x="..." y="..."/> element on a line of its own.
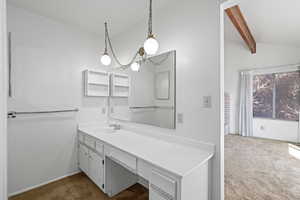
<point x="135" y="66"/>
<point x="294" y="151"/>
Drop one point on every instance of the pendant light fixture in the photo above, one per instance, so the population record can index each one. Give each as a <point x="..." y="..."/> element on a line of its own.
<point x="150" y="47"/>
<point x="105" y="59"/>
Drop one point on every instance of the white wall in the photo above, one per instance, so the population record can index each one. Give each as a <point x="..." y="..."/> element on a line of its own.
<point x="3" y="109"/>
<point x="275" y="129"/>
<point x="238" y="57"/>
<point x="192" y="29"/>
<point x="48" y="60"/>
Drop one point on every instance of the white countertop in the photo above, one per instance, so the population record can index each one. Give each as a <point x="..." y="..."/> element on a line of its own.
<point x="175" y="158"/>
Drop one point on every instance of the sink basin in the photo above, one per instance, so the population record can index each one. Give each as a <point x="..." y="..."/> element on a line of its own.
<point x="105" y="129"/>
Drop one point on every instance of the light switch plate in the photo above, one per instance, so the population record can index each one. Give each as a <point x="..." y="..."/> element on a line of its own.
<point x="179" y="118"/>
<point x="207" y="102"/>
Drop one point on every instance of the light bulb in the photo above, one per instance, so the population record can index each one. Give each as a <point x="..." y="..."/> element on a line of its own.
<point x="105" y="59"/>
<point x="151" y="46"/>
<point x="135" y="66"/>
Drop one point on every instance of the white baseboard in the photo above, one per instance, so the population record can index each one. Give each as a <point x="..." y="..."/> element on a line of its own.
<point x="42" y="184"/>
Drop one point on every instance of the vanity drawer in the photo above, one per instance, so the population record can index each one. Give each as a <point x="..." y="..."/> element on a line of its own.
<point x="156" y="195"/>
<point x="144" y="169"/>
<point x="89" y="141"/>
<point x="126" y="160"/>
<point x="99" y="147"/>
<point x="162" y="184"/>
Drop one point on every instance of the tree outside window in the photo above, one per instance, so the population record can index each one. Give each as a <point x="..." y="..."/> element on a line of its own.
<point x="277" y="96"/>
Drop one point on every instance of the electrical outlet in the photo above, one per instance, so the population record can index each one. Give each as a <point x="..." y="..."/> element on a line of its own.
<point x="112" y="110"/>
<point x="207" y="102"/>
<point x="262" y="128"/>
<point x="180" y="118"/>
<point x="103" y="110"/>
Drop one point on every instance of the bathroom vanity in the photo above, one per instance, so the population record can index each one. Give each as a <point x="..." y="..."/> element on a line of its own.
<point x="173" y="168"/>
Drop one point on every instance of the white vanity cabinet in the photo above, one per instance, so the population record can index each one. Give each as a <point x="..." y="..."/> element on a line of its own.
<point x="161" y="187"/>
<point x="124" y="159"/>
<point x="83" y="158"/>
<point x="117" y="161"/>
<point x="159" y="195"/>
<point x="96" y="169"/>
<point x="91" y="162"/>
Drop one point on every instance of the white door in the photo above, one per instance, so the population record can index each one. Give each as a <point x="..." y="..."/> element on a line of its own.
<point x="96" y="169"/>
<point x="83" y="159"/>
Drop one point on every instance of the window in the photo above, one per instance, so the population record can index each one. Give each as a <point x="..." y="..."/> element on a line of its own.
<point x="277" y="96"/>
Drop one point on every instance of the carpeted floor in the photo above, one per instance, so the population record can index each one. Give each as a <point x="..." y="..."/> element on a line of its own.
<point x="259" y="169"/>
<point x="79" y="187"/>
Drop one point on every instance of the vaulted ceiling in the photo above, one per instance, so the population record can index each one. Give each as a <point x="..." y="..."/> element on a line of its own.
<point x="91" y="14"/>
<point x="275" y="22"/>
<point x="270" y="21"/>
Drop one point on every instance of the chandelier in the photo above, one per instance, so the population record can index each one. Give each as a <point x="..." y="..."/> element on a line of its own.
<point x="150" y="47"/>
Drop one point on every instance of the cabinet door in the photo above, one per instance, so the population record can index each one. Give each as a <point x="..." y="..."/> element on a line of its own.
<point x="163" y="184"/>
<point x="83" y="159"/>
<point x="96" y="169"/>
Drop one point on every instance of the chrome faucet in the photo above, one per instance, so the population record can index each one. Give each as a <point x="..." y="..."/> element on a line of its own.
<point x="115" y="126"/>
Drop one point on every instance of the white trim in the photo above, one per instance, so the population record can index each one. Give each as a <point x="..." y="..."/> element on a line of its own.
<point x="42" y="184"/>
<point x="223" y="7"/>
<point x="221" y="78"/>
<point x="273" y="69"/>
<point x="3" y="101"/>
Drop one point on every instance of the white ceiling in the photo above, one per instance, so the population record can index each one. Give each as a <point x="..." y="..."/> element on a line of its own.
<point x="270" y="21"/>
<point x="91" y="14"/>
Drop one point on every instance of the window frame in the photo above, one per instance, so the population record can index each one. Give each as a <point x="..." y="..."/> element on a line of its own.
<point x="274" y="73"/>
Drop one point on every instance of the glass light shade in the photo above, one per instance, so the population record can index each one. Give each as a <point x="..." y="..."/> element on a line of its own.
<point x="135" y="66"/>
<point x="151" y="46"/>
<point x="105" y="60"/>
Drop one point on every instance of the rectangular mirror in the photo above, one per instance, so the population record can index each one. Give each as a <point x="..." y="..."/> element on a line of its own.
<point x="146" y="96"/>
<point x="162" y="83"/>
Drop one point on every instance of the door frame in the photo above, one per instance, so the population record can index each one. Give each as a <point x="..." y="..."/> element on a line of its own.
<point x="3" y="95"/>
<point x="3" y="101"/>
<point x="224" y="5"/>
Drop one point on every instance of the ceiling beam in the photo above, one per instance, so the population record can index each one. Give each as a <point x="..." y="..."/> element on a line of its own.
<point x="238" y="20"/>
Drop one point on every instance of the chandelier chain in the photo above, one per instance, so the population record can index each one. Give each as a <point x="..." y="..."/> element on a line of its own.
<point x="113" y="52"/>
<point x="105" y="50"/>
<point x="141" y="51"/>
<point x="150" y="20"/>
